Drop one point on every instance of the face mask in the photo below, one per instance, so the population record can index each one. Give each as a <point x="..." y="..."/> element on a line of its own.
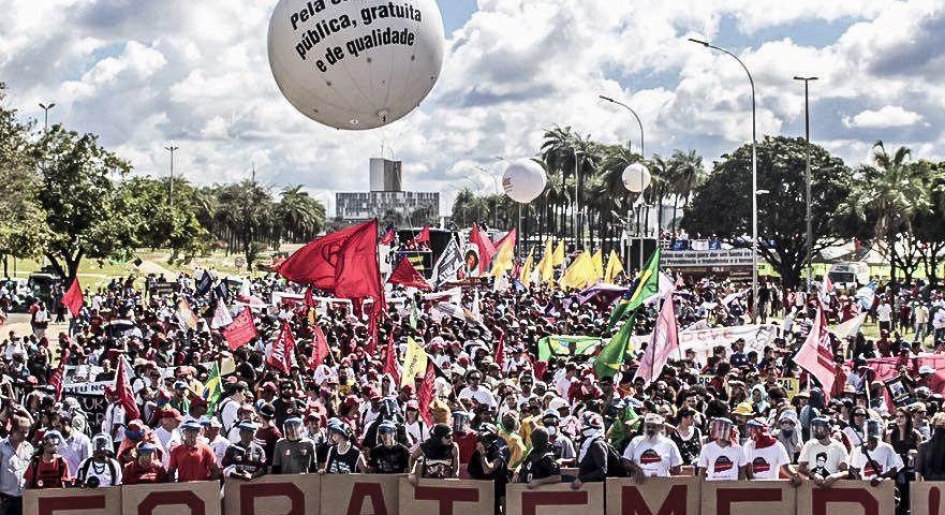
<point x="589" y="432"/>
<point x="552" y="430"/>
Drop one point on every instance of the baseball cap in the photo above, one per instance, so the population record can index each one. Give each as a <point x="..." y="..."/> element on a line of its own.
<point x="192" y="425"/>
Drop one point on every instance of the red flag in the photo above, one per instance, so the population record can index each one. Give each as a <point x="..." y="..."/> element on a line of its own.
<point x="344" y="263"/>
<point x="320" y="352"/>
<point x="500" y="351"/>
<point x="816" y="355"/>
<point x="486" y="248"/>
<point x="424" y="236"/>
<point x="56" y="379"/>
<point x="389" y="235"/>
<point x="241" y="331"/>
<point x="126" y="396"/>
<point x="663" y="344"/>
<point x="283" y="350"/>
<point x="390" y="364"/>
<point x="426" y="393"/>
<point x="407" y="275"/>
<point x="73" y="298"/>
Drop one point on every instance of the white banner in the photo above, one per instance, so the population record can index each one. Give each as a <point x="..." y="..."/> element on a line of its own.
<point x="756" y="337"/>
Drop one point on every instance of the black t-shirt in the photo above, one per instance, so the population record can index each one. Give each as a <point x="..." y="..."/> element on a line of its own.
<point x="538" y="467"/>
<point x="476" y="470"/>
<point x="346" y="463"/>
<point x="389" y="460"/>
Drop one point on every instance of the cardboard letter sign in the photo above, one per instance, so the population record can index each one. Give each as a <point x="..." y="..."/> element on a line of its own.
<point x="657" y="496"/>
<point x="557" y="499"/>
<point x="846" y="498"/>
<point x="290" y="494"/>
<point x="928" y="498"/>
<point x="748" y="498"/>
<point x="199" y="498"/>
<point x="447" y="497"/>
<point x="360" y="494"/>
<point x="73" y="501"/>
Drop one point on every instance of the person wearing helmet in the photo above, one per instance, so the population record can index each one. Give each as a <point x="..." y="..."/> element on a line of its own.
<point x="765" y="456"/>
<point x="823" y="459"/>
<point x="652" y="454"/>
<point x="721" y="459"/>
<point x="389" y="411"/>
<point x="539" y="466"/>
<point x="99" y="469"/>
<point x="343" y="456"/>
<point x="146" y="468"/>
<point x="192" y="460"/>
<point x="389" y="456"/>
<point x="875" y="460"/>
<point x="436" y="458"/>
<point x="592" y="459"/>
<point x="417" y="429"/>
<point x="561" y="445"/>
<point x="244" y="459"/>
<point x="47" y="469"/>
<point x="294" y="453"/>
<point x="490" y="461"/>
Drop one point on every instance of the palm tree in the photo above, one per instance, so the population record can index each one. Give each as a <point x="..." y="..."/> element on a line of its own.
<point x="687" y="172"/>
<point x="300" y="216"/>
<point x="890" y="192"/>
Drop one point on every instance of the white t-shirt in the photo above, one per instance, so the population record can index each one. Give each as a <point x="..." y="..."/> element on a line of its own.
<point x="766" y="463"/>
<point x="721" y="463"/>
<point x="884" y="312"/>
<point x="654" y="458"/>
<point x="480" y="395"/>
<point x="823" y="460"/>
<point x="884" y="455"/>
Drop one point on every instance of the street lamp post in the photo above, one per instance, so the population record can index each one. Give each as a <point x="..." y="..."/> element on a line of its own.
<point x="810" y="234"/>
<point x="643" y="155"/>
<point x="173" y="149"/>
<point x="46" y="109"/>
<point x="577" y="201"/>
<point x="754" y="179"/>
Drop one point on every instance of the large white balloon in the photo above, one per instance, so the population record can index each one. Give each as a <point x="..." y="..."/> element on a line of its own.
<point x="636" y="178"/>
<point x="524" y="180"/>
<point x="356" y="64"/>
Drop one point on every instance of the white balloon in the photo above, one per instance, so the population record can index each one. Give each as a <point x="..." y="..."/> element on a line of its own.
<point x="356" y="64"/>
<point x="636" y="178"/>
<point x="524" y="180"/>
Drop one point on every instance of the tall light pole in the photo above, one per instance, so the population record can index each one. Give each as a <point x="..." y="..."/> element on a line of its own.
<point x="173" y="149"/>
<point x="46" y="109"/>
<point x="643" y="155"/>
<point x="810" y="234"/>
<point x="754" y="179"/>
<point x="577" y="200"/>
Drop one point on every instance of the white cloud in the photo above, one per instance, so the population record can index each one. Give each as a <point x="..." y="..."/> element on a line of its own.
<point x="888" y="116"/>
<point x="197" y="74"/>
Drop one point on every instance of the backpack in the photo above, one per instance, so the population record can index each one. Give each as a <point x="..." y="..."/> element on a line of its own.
<point x="614" y="465"/>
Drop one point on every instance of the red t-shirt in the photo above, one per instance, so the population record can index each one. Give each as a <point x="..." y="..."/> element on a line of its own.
<point x="40" y="474"/>
<point x="136" y="474"/>
<point x="195" y="463"/>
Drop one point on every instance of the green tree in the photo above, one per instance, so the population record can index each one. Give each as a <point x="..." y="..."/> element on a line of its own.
<point x="930" y="227"/>
<point x="246" y="212"/>
<point x="884" y="203"/>
<point x="158" y="224"/>
<point x="81" y="201"/>
<point x="722" y="204"/>
<point x="23" y="227"/>
<point x="299" y="216"/>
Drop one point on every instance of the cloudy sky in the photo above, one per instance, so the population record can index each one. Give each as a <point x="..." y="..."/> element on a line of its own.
<point x="145" y="74"/>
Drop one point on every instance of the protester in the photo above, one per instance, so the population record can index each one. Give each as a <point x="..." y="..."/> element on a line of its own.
<point x="47" y="469"/>
<point x="145" y="468"/>
<point x="244" y="459"/>
<point x="192" y="460"/>
<point x="100" y="469"/>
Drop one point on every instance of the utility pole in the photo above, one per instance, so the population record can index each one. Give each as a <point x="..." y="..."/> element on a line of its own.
<point x="170" y="195"/>
<point x="810" y="235"/>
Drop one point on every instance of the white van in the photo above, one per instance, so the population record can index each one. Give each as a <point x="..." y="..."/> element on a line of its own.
<point x="846" y="277"/>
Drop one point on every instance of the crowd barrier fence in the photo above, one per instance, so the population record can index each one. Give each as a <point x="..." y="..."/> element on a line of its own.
<point x="311" y="494"/>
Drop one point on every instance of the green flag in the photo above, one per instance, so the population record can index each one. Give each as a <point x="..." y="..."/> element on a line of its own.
<point x="213" y="389"/>
<point x="562" y="346"/>
<point x="611" y="357"/>
<point x="647" y="286"/>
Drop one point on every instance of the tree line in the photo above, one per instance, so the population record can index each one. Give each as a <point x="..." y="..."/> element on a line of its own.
<point x="67" y="198"/>
<point x="894" y="204"/>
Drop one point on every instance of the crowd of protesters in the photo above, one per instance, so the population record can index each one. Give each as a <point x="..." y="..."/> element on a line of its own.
<point x="508" y="418"/>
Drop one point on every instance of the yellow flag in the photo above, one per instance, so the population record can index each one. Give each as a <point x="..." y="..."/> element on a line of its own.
<point x="546" y="268"/>
<point x="580" y="273"/>
<point x="526" y="276"/>
<point x="614" y="267"/>
<point x="598" y="261"/>
<point x="505" y="256"/>
<point x="415" y="363"/>
<point x="558" y="259"/>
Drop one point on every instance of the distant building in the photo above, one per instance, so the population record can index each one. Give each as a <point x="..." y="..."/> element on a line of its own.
<point x="386" y="194"/>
